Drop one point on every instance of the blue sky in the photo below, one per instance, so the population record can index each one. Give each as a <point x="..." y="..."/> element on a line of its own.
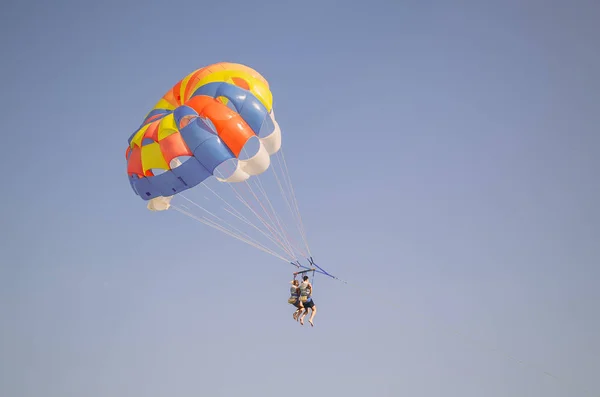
<point x="444" y="156"/>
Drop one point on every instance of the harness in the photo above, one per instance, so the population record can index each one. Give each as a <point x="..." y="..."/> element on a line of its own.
<point x="304" y="292"/>
<point x="304" y="295"/>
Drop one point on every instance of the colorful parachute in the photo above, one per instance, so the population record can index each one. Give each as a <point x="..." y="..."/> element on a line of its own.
<point x="205" y="120"/>
<point x="200" y="128"/>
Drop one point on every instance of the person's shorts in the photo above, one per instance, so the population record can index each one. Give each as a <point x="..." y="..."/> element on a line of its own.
<point x="310" y="304"/>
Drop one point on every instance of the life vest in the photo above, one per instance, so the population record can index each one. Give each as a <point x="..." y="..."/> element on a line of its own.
<point x="304" y="294"/>
<point x="294" y="291"/>
<point x="294" y="294"/>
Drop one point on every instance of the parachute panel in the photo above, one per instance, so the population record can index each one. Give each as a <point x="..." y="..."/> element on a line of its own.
<point x="207" y="117"/>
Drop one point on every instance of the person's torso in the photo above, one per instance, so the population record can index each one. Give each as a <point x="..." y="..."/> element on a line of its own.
<point x="304" y="290"/>
<point x="294" y="291"/>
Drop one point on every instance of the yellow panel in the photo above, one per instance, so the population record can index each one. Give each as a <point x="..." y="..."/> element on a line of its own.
<point x="167" y="126"/>
<point x="224" y="100"/>
<point x="152" y="158"/>
<point x="163" y="104"/>
<point x="139" y="136"/>
<point x="184" y="83"/>
<point x="257" y="87"/>
<point x="262" y="92"/>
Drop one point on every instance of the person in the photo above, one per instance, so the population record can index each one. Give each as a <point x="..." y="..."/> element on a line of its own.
<point x="294" y="299"/>
<point x="307" y="301"/>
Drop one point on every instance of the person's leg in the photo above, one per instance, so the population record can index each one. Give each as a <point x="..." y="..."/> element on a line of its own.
<point x="303" y="314"/>
<point x="298" y="311"/>
<point x="300" y="308"/>
<point x="312" y="315"/>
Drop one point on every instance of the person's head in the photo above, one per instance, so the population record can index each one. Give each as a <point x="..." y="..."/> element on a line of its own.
<point x="305" y="278"/>
<point x="295" y="282"/>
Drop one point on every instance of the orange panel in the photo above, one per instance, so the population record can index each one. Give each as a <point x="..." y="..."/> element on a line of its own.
<point x="134" y="165"/>
<point x="192" y="82"/>
<point x="174" y="146"/>
<point x="152" y="131"/>
<point x="231" y="127"/>
<point x="172" y="96"/>
<point x="240" y="83"/>
<point x="202" y="73"/>
<point x="246" y="69"/>
<point x="175" y="93"/>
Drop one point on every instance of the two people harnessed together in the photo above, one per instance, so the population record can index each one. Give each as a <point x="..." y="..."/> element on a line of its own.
<point x="301" y="298"/>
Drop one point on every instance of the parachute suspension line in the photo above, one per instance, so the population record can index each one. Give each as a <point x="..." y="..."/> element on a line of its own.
<point x="228" y="224"/>
<point x="268" y="215"/>
<point x="276" y="230"/>
<point x="294" y="200"/>
<point x="242" y="218"/>
<point x="239" y="194"/>
<point x="260" y="230"/>
<point x="272" y="230"/>
<point x="239" y="232"/>
<point x="285" y="192"/>
<point x="284" y="233"/>
<point x="282" y="225"/>
<point x="218" y="227"/>
<point x="281" y="232"/>
<point x="286" y="174"/>
<point x="298" y="265"/>
<point x="312" y="281"/>
<point x="287" y="201"/>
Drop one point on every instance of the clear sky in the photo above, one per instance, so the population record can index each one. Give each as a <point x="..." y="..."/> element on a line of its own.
<point x="444" y="156"/>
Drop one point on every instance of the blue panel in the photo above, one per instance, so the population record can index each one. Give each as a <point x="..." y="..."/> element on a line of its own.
<point x="235" y="94"/>
<point x="232" y="92"/>
<point x="186" y="176"/>
<point x="253" y="112"/>
<point x="248" y="106"/>
<point x="195" y="133"/>
<point x="181" y="112"/>
<point x="145" y="189"/>
<point x="167" y="183"/>
<point x="155" y="112"/>
<point x="131" y="137"/>
<point x="207" y="124"/>
<point x="147" y="141"/>
<point x="132" y="180"/>
<point x="212" y="152"/>
<point x="191" y="173"/>
<point x="209" y="89"/>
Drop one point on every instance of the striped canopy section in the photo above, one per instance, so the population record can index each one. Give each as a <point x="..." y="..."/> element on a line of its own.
<point x="205" y="120"/>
